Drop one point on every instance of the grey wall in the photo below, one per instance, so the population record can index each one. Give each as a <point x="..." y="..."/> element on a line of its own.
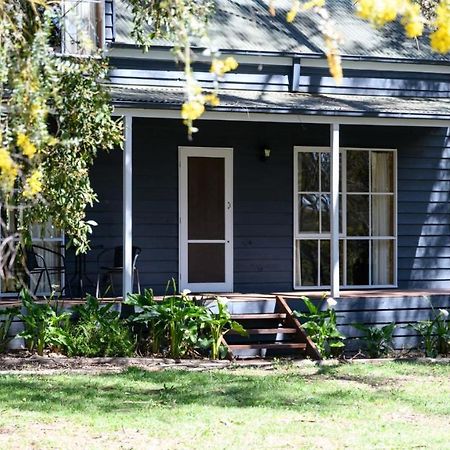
<point x="263" y="202"/>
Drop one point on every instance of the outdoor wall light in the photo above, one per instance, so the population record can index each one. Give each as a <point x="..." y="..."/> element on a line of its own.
<point x="266" y="154"/>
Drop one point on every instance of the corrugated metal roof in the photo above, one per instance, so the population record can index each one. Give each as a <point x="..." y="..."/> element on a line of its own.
<point x="289" y="102"/>
<point x="247" y="26"/>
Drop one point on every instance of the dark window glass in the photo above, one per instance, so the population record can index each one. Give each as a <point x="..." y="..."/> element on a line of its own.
<point x="308" y="262"/>
<point x="357" y="215"/>
<point x="308" y="172"/>
<point x="357" y="171"/>
<point x="357" y="263"/>
<point x="308" y="219"/>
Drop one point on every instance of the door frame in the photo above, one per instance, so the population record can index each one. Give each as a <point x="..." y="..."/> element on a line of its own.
<point x="209" y="152"/>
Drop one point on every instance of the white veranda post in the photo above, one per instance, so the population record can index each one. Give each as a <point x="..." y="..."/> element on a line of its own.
<point x="334" y="247"/>
<point x="127" y="274"/>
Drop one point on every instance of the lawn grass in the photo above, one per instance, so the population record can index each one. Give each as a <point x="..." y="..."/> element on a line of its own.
<point x="393" y="405"/>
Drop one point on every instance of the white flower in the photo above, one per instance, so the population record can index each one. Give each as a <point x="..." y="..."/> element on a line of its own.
<point x="186" y="292"/>
<point x="444" y="312"/>
<point x="331" y="302"/>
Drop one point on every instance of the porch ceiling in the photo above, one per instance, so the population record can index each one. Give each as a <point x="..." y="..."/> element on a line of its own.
<point x="289" y="102"/>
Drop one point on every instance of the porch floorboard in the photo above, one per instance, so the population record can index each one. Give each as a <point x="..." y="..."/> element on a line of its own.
<point x="237" y="296"/>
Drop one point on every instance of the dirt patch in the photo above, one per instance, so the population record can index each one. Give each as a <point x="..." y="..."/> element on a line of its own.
<point x="53" y="363"/>
<point x="64" y="434"/>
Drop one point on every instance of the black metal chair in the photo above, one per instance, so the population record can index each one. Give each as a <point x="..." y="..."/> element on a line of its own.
<point x="36" y="264"/>
<point x="117" y="267"/>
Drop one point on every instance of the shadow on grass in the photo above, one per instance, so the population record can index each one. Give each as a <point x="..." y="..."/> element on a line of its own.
<point x="136" y="390"/>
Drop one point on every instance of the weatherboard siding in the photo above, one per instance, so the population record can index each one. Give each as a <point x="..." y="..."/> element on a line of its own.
<point x="282" y="78"/>
<point x="263" y="202"/>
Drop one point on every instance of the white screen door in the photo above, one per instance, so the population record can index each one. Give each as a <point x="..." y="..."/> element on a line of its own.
<point x="206" y="219"/>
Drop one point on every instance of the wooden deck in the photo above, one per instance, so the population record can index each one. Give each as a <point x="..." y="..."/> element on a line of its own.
<point x="236" y="296"/>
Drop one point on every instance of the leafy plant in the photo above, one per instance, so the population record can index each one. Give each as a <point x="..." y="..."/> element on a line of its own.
<point x="44" y="326"/>
<point x="378" y="340"/>
<point x="179" y="323"/>
<point x="435" y="333"/>
<point x="183" y="319"/>
<point x="146" y="321"/>
<point x="321" y="326"/>
<point x="5" y="327"/>
<point x="98" y="331"/>
<point x="219" y="324"/>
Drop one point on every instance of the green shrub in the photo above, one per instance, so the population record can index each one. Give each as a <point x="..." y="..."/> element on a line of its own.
<point x="378" y="340"/>
<point x="97" y="330"/>
<point x="146" y="322"/>
<point x="44" y="326"/>
<point x="218" y="324"/>
<point x="178" y="325"/>
<point x="174" y="323"/>
<point x="321" y="327"/>
<point x="435" y="333"/>
<point x="5" y="326"/>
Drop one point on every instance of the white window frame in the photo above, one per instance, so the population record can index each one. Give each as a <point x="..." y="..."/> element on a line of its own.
<point x="297" y="236"/>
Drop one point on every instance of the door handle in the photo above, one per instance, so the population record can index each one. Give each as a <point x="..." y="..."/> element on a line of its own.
<point x="228" y="205"/>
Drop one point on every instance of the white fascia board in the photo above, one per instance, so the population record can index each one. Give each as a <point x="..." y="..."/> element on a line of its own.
<point x="285" y="118"/>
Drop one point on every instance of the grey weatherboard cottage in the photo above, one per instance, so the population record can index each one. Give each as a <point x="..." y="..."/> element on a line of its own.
<point x="250" y="205"/>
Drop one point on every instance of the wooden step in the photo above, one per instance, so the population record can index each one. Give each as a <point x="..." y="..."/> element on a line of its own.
<point x="280" y="345"/>
<point x="267" y="331"/>
<point x="258" y="316"/>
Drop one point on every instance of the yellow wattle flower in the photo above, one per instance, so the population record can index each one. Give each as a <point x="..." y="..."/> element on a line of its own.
<point x="28" y="148"/>
<point x="440" y="39"/>
<point x="8" y="169"/>
<point x="221" y="67"/>
<point x="192" y="110"/>
<point x="33" y="184"/>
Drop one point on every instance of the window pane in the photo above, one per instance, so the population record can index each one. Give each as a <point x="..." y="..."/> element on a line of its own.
<point x="382" y="215"/>
<point x="325" y="263"/>
<point x="325" y="159"/>
<point x="45" y="231"/>
<point x="308" y="214"/>
<point x="357" y="263"/>
<point x="308" y="171"/>
<point x="307" y="258"/>
<point x="382" y="262"/>
<point x="325" y="212"/>
<point x="358" y="215"/>
<point x="357" y="171"/>
<point x="382" y="172"/>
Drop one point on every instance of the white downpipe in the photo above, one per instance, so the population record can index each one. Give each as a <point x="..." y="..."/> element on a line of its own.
<point x="127" y="274"/>
<point x="334" y="245"/>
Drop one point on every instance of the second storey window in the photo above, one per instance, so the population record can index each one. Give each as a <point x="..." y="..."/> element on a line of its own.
<point x="367" y="217"/>
<point x="83" y="22"/>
